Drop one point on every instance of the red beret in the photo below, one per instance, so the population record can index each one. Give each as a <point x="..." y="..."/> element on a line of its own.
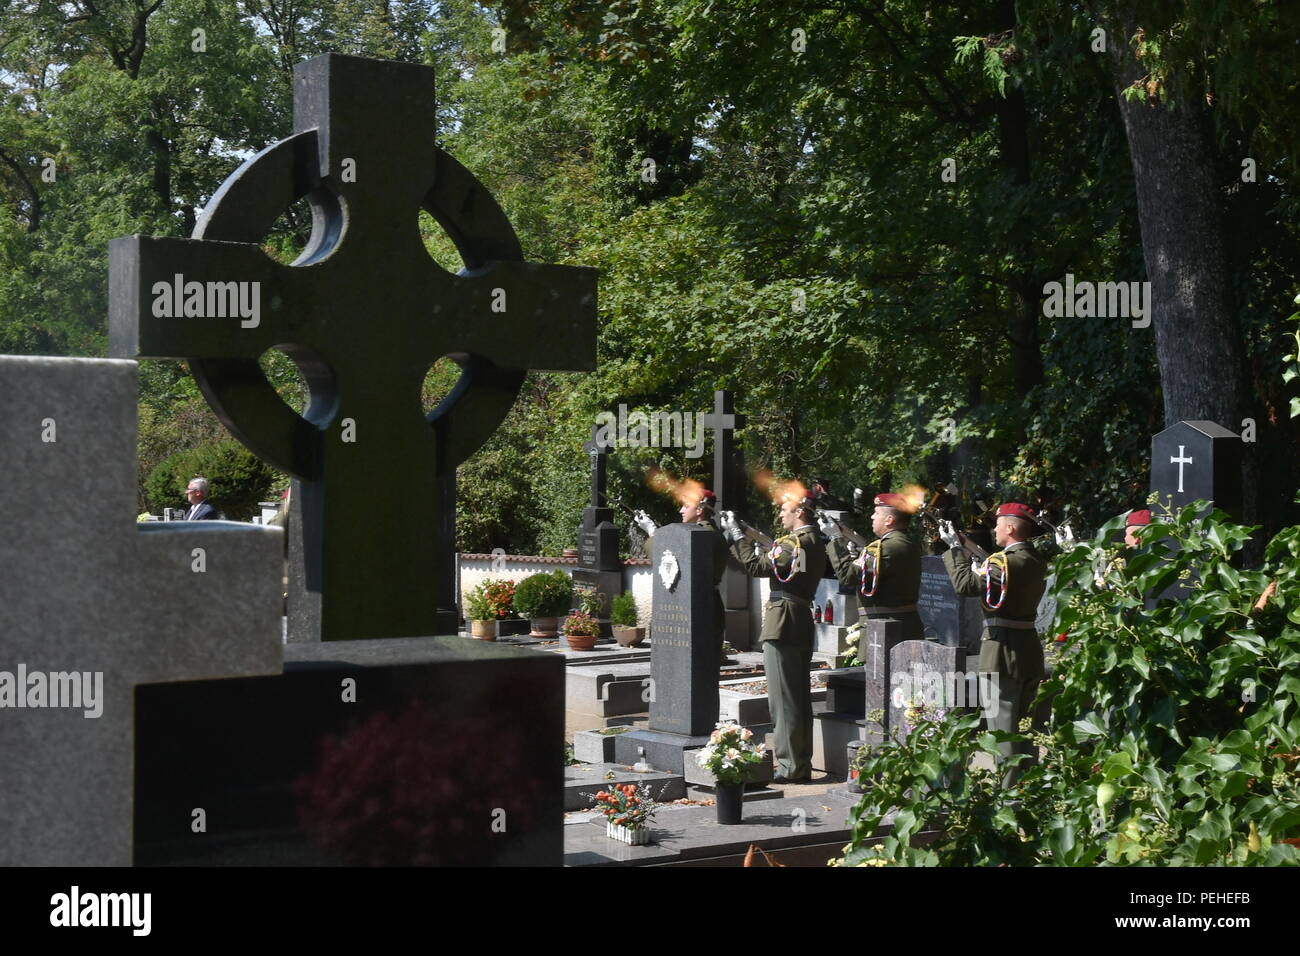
<point x="1015" y="509"/>
<point x="890" y="500"/>
<point x="1138" y="517"/>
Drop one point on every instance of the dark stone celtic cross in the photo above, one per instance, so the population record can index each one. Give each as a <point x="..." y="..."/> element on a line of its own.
<point x="364" y="312"/>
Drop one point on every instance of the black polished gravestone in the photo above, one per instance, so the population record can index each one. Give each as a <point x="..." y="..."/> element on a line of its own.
<point x="364" y="312"/>
<point x="947" y="616"/>
<point x="600" y="569"/>
<point x="684" y="653"/>
<point x="377" y="753"/>
<point x="1197" y="460"/>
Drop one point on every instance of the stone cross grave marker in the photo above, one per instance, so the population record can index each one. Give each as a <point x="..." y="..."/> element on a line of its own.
<point x="364" y="312"/>
<point x="600" y="568"/>
<point x="728" y="485"/>
<point x="80" y="620"/>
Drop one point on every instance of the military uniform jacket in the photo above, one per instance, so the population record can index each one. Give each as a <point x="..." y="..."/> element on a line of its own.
<point x="801" y="559"/>
<point x="898" y="571"/>
<point x="1021" y="650"/>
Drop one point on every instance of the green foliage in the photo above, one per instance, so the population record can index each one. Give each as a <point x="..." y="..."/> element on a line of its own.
<point x="546" y="594"/>
<point x="622" y="610"/>
<point x="239" y="479"/>
<point x="1175" y="731"/>
<point x="490" y="600"/>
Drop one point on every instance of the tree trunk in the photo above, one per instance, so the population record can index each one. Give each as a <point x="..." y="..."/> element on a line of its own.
<point x="1184" y="244"/>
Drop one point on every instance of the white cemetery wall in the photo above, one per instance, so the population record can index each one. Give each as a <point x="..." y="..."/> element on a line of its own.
<point x="474" y="568"/>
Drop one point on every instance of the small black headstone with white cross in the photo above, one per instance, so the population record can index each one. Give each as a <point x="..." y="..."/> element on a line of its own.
<point x="1197" y="460"/>
<point x="1193" y="461"/>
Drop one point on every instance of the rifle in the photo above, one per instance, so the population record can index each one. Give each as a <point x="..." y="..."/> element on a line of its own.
<point x="751" y="532"/>
<point x="848" y="533"/>
<point x="970" y="547"/>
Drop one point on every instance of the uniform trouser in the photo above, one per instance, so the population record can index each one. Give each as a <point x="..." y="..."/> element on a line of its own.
<point x="787" y="664"/>
<point x="1016" y="657"/>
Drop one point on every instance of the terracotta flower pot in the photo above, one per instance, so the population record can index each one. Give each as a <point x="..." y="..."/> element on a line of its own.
<point x="580" y="642"/>
<point x="483" y="630"/>
<point x="628" y="636"/>
<point x="545" y="627"/>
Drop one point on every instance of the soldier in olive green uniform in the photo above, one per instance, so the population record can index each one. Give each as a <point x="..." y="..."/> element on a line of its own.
<point x="796" y="563"/>
<point x="1010" y="585"/>
<point x="887" y="576"/>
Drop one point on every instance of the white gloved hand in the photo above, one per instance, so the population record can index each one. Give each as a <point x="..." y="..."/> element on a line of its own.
<point x="977" y="567"/>
<point x="948" y="534"/>
<point x="1065" y="538"/>
<point x="855" y="551"/>
<point x="829" y="527"/>
<point x="730" y="529"/>
<point x="644" y="522"/>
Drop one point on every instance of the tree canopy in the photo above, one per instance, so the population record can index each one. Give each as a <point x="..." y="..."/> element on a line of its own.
<point x="845" y="214"/>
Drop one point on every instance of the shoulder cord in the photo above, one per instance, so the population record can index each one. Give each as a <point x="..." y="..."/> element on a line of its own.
<point x="794" y="561"/>
<point x="872" y="558"/>
<point x="997" y="561"/>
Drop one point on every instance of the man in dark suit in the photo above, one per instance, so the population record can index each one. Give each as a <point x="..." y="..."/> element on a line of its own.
<point x="200" y="509"/>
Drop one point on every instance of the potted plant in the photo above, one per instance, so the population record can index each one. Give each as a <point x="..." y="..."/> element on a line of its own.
<point x="487" y="604"/>
<point x="543" y="598"/>
<point x="627" y="813"/>
<point x="729" y="755"/>
<point x="623" y="617"/>
<point x="581" y="631"/>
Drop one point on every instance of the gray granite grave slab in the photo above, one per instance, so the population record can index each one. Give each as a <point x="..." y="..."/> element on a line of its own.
<point x="681" y="835"/>
<point x="85" y="589"/>
<point x="592" y="746"/>
<point x="747" y="708"/>
<point x="583" y="782"/>
<point x="832" y="733"/>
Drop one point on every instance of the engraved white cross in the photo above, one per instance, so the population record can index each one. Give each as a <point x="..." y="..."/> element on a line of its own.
<point x="1180" y="461"/>
<point x="875" y="656"/>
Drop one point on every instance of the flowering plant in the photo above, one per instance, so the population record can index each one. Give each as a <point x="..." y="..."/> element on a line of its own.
<point x="581" y="624"/>
<point x="490" y="600"/>
<point x="730" y="753"/>
<point x="623" y="805"/>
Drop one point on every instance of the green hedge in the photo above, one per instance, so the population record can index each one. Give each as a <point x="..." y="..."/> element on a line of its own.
<point x="239" y="479"/>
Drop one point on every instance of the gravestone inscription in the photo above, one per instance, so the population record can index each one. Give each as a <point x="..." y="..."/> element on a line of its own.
<point x="947" y="616"/>
<point x="928" y="673"/>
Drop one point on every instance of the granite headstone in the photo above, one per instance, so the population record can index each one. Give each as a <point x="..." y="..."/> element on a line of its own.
<point x="79" y="617"/>
<point x="684" y="652"/>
